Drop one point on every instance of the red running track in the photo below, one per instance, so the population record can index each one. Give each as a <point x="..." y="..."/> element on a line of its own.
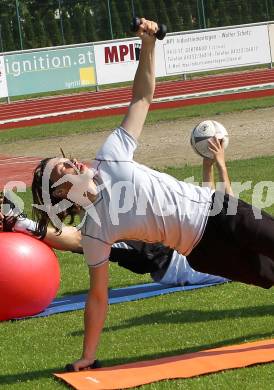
<point x="17" y="169"/>
<point x="53" y="105"/>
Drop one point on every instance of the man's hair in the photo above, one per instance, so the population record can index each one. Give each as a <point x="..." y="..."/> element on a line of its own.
<point x="42" y="216"/>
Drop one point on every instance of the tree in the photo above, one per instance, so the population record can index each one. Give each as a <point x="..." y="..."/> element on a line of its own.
<point x="125" y="15"/>
<point x="186" y="15"/>
<point x="15" y="33"/>
<point x="222" y="16"/>
<point x="211" y="14"/>
<point x="138" y="9"/>
<point x="100" y="11"/>
<point x="39" y="8"/>
<point x="149" y="9"/>
<point x="271" y="10"/>
<point x="245" y="10"/>
<point x="194" y="12"/>
<point x="78" y="25"/>
<point x="6" y="32"/>
<point x="258" y="11"/>
<point x="235" y="11"/>
<point x="91" y="33"/>
<point x="163" y="15"/>
<point x="173" y="14"/>
<point x="68" y="33"/>
<point x="52" y="29"/>
<point x="5" y="8"/>
<point x="29" y="36"/>
<point x="117" y="27"/>
<point x="88" y="20"/>
<point x="40" y="33"/>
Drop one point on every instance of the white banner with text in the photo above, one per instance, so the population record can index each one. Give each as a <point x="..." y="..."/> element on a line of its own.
<point x="181" y="53"/>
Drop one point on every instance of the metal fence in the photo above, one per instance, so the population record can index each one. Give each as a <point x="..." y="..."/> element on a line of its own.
<point x="26" y="24"/>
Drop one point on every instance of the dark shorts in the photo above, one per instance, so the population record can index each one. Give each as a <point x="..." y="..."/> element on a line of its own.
<point x="143" y="258"/>
<point x="239" y="247"/>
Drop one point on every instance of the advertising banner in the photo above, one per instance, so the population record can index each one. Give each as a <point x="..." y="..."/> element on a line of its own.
<point x="216" y="49"/>
<point x="50" y="70"/>
<point x="116" y="61"/>
<point x="271" y="39"/>
<point x="3" y="80"/>
<point x="186" y="53"/>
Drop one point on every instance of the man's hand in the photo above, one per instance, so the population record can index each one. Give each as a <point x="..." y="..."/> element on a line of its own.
<point x="216" y="146"/>
<point x="147" y="30"/>
<point x="82" y="364"/>
<point x="9" y="218"/>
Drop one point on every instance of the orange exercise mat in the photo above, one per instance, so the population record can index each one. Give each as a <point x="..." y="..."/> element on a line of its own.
<point x="182" y="366"/>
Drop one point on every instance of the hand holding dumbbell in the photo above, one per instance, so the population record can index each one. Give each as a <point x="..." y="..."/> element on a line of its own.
<point x="94" y="365"/>
<point x="160" y="34"/>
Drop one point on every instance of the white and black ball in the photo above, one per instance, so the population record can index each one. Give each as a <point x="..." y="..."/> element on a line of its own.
<point x="205" y="130"/>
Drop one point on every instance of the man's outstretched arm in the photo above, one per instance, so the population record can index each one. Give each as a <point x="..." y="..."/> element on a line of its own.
<point x="216" y="146"/>
<point x="208" y="173"/>
<point x="144" y="81"/>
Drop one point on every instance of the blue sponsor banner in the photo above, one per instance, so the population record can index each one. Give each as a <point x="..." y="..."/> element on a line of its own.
<point x="50" y="70"/>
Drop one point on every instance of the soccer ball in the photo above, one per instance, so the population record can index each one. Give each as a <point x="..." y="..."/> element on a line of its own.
<point x="203" y="132"/>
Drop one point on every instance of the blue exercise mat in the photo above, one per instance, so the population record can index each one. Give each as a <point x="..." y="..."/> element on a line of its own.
<point x="117" y="295"/>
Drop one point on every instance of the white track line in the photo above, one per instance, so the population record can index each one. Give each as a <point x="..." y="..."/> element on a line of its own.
<point x="20" y="162"/>
<point x="157" y="100"/>
<point x="15" y="158"/>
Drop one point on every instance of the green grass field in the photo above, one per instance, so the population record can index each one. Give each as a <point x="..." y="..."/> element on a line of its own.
<point x="31" y="350"/>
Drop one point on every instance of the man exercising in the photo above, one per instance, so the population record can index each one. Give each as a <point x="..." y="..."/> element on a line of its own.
<point x="122" y="200"/>
<point x="165" y="265"/>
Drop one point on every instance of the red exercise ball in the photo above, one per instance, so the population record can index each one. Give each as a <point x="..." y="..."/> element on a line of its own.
<point x="29" y="275"/>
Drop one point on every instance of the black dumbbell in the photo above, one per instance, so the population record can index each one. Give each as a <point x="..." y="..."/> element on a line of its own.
<point x="95" y="364"/>
<point x="160" y="34"/>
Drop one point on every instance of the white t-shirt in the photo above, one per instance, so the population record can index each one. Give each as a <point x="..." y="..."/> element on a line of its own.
<point x="139" y="203"/>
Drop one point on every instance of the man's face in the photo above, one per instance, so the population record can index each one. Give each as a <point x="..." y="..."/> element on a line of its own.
<point x="59" y="167"/>
<point x="65" y="166"/>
